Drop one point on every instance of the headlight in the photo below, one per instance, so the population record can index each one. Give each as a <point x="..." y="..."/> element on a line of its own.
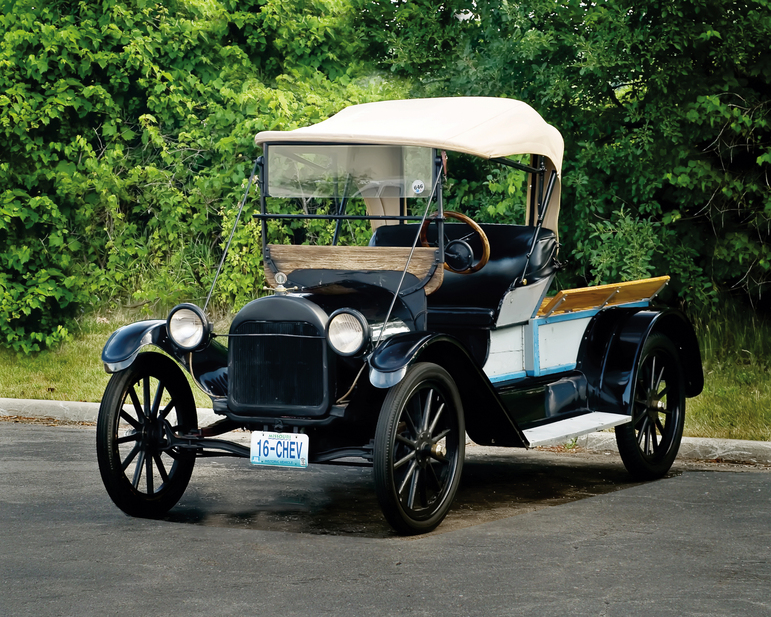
<point x="347" y="332"/>
<point x="187" y="326"/>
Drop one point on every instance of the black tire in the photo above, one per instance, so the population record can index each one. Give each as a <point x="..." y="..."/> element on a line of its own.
<point x="649" y="443"/>
<point x="419" y="449"/>
<point x="141" y="406"/>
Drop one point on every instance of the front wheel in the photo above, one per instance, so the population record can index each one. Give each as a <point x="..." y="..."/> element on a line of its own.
<point x="649" y="443"/>
<point x="141" y="407"/>
<point x="419" y="449"/>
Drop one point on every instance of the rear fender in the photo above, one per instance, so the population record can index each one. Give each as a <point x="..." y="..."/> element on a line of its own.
<point x="208" y="366"/>
<point x="487" y="419"/>
<point x="611" y="348"/>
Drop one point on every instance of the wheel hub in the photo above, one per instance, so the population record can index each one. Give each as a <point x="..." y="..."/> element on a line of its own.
<point x="423" y="448"/>
<point x="151" y="434"/>
<point x="654" y="405"/>
<point x="439" y="450"/>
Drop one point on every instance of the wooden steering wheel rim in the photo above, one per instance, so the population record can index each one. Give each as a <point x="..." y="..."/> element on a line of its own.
<point x="477" y="229"/>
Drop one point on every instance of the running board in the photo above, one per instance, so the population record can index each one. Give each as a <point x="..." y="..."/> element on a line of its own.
<point x="565" y="430"/>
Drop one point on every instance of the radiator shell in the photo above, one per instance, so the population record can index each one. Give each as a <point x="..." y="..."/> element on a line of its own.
<point x="278" y="359"/>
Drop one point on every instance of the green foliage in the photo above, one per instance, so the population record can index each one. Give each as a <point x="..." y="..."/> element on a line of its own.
<point x="664" y="107"/>
<point x="34" y="284"/>
<point x="625" y="248"/>
<point x="126" y="135"/>
<point x="486" y="192"/>
<point x="414" y="36"/>
<point x="126" y="132"/>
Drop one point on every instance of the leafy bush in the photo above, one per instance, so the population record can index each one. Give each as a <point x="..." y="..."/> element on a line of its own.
<point x="625" y="248"/>
<point x="665" y="108"/>
<point x="126" y="132"/>
<point x="487" y="192"/>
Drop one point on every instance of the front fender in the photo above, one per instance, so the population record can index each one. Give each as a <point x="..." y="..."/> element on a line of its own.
<point x="612" y="345"/>
<point x="390" y="361"/>
<point x="487" y="419"/>
<point x="208" y="366"/>
<point x="125" y="343"/>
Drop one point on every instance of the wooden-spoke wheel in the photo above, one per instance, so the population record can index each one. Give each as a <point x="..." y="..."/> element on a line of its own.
<point x="142" y="406"/>
<point x="649" y="443"/>
<point x="419" y="449"/>
<point x="476" y="229"/>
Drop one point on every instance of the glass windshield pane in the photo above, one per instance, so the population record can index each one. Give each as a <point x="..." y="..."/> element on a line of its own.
<point x="337" y="171"/>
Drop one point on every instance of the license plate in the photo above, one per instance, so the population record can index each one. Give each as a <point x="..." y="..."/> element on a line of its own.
<point x="279" y="449"/>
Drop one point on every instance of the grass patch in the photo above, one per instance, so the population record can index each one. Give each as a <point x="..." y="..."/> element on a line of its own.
<point x="74" y="371"/>
<point x="736" y="401"/>
<point x="736" y="351"/>
<point x="735" y="404"/>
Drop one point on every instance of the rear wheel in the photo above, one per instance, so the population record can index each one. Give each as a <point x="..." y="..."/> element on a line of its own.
<point x="141" y="407"/>
<point x="419" y="449"/>
<point x="649" y="443"/>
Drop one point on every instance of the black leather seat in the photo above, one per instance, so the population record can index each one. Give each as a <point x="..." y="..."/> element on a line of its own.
<point x="473" y="300"/>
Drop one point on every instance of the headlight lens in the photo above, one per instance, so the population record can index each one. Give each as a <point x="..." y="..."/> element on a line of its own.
<point x="187" y="326"/>
<point x="347" y="332"/>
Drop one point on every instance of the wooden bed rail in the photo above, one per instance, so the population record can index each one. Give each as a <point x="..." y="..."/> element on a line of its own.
<point x="584" y="298"/>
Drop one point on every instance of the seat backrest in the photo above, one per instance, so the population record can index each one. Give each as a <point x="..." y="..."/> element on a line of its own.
<point x="509" y="245"/>
<point x="381" y="199"/>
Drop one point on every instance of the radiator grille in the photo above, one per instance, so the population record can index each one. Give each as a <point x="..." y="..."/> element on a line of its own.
<point x="280" y="365"/>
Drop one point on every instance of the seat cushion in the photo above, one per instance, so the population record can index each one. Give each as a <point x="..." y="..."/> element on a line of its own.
<point x="484" y="289"/>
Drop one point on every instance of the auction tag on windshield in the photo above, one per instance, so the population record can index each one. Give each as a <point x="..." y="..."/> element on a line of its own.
<point x="279" y="449"/>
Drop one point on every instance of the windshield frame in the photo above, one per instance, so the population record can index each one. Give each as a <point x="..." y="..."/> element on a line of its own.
<point x="339" y="204"/>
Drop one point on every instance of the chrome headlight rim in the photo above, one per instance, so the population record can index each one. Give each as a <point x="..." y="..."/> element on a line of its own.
<point x="365" y="335"/>
<point x="202" y="329"/>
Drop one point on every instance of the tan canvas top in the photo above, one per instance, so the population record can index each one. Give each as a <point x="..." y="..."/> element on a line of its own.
<point x="483" y="126"/>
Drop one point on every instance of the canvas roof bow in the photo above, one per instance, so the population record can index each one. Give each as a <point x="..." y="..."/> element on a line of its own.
<point x="482" y="126"/>
<point x="486" y="127"/>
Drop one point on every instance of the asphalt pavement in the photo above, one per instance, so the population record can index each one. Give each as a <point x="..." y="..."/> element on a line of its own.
<point x="531" y="533"/>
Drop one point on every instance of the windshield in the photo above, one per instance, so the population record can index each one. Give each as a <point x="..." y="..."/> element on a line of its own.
<point x="338" y="171"/>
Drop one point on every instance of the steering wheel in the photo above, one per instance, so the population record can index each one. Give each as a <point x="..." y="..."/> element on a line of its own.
<point x="462" y="253"/>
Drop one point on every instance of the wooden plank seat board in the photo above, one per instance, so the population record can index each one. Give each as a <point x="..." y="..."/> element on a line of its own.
<point x="290" y="257"/>
<point x="586" y="298"/>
